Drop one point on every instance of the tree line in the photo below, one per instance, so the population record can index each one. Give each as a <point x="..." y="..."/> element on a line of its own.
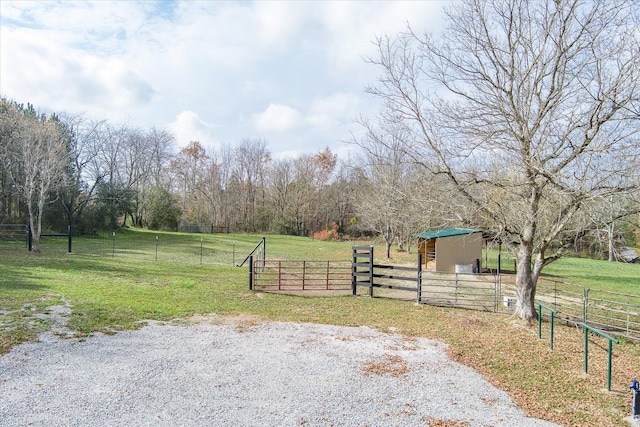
<point x="62" y="170"/>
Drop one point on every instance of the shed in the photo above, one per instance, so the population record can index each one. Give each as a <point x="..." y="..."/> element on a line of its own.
<point x="452" y="250"/>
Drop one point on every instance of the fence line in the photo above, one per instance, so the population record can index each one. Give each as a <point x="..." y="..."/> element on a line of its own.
<point x="613" y="312"/>
<point x="14" y="235"/>
<point x="218" y="249"/>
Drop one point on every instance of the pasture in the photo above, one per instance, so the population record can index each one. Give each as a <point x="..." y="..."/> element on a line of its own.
<point x="112" y="286"/>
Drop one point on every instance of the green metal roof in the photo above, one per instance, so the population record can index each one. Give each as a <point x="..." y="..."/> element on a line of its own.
<point x="446" y="233"/>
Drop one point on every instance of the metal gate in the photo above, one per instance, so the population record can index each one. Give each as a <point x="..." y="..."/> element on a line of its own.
<point x="281" y="275"/>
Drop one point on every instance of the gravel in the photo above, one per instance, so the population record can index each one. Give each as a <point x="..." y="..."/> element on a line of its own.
<point x="245" y="373"/>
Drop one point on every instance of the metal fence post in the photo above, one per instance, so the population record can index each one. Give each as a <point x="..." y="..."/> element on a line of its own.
<point x="585" y="305"/>
<point x="250" y="272"/>
<point x="586" y="349"/>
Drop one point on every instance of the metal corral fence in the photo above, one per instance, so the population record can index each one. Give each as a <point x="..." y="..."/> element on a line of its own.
<point x="473" y="291"/>
<point x="613" y="312"/>
<point x="294" y="276"/>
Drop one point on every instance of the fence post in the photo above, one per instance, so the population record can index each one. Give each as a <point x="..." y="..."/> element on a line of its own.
<point x="250" y="272"/>
<point x="419" y="278"/>
<point x="371" y="272"/>
<point x="354" y="259"/>
<point x="585" y="305"/>
<point x="328" y="275"/>
<point x="586" y="349"/>
<point x="304" y="273"/>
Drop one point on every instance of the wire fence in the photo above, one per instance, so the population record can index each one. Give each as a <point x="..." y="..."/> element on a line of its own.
<point x="614" y="312"/>
<point x="208" y="249"/>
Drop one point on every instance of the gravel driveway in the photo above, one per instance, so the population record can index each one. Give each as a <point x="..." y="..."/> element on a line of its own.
<point x="246" y="374"/>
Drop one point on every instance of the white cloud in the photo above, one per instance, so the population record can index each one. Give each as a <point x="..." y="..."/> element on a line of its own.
<point x="333" y="111"/>
<point x="62" y="78"/>
<point x="157" y="63"/>
<point x="188" y="126"/>
<point x="277" y="118"/>
<point x="353" y="27"/>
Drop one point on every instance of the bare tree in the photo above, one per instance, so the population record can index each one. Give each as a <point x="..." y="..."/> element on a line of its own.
<point x="39" y="148"/>
<point x="76" y="189"/>
<point x="528" y="108"/>
<point x="281" y="181"/>
<point x="385" y="201"/>
<point x="251" y="157"/>
<point x="189" y="168"/>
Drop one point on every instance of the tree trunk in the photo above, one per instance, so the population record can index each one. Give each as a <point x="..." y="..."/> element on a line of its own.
<point x="611" y="242"/>
<point x="525" y="287"/>
<point x="34" y="229"/>
<point x="388" y="239"/>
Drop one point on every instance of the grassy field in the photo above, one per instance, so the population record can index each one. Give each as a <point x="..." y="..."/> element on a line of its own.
<point x="120" y="289"/>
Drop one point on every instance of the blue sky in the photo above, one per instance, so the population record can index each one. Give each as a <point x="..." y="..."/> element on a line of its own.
<point x="290" y="72"/>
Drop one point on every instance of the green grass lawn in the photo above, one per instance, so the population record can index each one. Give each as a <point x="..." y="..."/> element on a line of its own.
<point x="598" y="274"/>
<point x="112" y="291"/>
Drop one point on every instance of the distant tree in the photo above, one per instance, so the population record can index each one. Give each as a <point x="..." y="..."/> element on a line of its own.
<point x="34" y="157"/>
<point x="113" y="202"/>
<point x="340" y="197"/>
<point x="384" y="201"/>
<point x="280" y="179"/>
<point x="250" y="160"/>
<point x="12" y="207"/>
<point x="76" y="190"/>
<point x="189" y="168"/>
<point x="528" y="108"/>
<point x="163" y="210"/>
<point x="325" y="164"/>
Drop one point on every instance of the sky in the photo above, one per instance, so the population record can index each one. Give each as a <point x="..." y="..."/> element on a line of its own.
<point x="293" y="73"/>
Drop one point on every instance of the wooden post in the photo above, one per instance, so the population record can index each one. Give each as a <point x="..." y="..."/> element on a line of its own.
<point x="419" y="278"/>
<point x="371" y="271"/>
<point x="354" y="259"/>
